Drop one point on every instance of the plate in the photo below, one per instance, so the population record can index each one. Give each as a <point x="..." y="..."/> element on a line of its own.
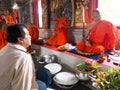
<point x="53" y="67"/>
<point x="65" y="78"/>
<point x="83" y="53"/>
<point x="62" y="48"/>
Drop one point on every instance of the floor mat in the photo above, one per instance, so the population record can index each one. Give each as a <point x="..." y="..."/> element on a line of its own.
<point x="95" y="56"/>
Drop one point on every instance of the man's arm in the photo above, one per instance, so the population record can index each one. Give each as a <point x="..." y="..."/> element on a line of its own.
<point x="23" y="78"/>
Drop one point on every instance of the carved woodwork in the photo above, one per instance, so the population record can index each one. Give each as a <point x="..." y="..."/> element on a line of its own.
<point x="44" y="13"/>
<point x="80" y="13"/>
<point x="63" y="8"/>
<point x="25" y="13"/>
<point x="5" y="4"/>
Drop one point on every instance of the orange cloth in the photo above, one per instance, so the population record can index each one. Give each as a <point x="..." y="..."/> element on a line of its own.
<point x="59" y="38"/>
<point x="34" y="33"/>
<point x="9" y="19"/>
<point x="102" y="37"/>
<point x="3" y="41"/>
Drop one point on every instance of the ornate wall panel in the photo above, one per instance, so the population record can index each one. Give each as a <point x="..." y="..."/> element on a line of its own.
<point x="44" y="13"/>
<point x="5" y="4"/>
<point x="63" y="8"/>
<point x="25" y="13"/>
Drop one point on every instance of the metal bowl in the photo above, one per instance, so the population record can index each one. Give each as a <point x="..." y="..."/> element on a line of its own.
<point x="48" y="58"/>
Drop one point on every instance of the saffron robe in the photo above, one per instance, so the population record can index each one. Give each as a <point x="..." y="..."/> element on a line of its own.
<point x="3" y="41"/>
<point x="60" y="37"/>
<point x="102" y="37"/>
<point x="34" y="33"/>
<point x="9" y="19"/>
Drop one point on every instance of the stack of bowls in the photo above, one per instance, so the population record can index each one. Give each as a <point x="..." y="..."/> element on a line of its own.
<point x="65" y="80"/>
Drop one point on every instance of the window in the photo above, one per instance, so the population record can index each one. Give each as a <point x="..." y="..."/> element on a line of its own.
<point x="110" y="10"/>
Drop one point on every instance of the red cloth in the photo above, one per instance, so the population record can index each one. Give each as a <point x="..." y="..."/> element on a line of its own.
<point x="59" y="38"/>
<point x="102" y="37"/>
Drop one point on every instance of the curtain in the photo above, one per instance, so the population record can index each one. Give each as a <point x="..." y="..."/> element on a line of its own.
<point x="35" y="12"/>
<point x="92" y="5"/>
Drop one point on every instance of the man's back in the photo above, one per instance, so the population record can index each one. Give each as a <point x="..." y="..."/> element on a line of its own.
<point x="13" y="66"/>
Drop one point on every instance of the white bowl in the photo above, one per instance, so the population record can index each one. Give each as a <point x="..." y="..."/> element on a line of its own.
<point x="53" y="67"/>
<point x="65" y="78"/>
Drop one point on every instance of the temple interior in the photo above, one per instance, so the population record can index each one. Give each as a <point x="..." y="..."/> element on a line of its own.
<point x="74" y="18"/>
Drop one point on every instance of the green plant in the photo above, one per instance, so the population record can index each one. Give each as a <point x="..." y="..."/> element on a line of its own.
<point x="108" y="80"/>
<point x="113" y="77"/>
<point x="88" y="66"/>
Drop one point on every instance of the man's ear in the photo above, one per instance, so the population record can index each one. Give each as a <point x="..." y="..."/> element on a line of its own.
<point x="20" y="40"/>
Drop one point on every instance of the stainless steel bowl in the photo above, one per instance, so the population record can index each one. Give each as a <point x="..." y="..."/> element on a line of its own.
<point x="48" y="58"/>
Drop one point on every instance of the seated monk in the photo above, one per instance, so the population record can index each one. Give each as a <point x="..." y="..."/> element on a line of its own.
<point x="34" y="33"/>
<point x="9" y="19"/>
<point x="100" y="36"/>
<point x="60" y="37"/>
<point x="3" y="27"/>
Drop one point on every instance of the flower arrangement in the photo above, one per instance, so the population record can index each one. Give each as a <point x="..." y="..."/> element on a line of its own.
<point x="84" y="70"/>
<point x="88" y="66"/>
<point x="106" y="80"/>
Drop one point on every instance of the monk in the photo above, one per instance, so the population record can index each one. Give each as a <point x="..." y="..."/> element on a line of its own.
<point x="100" y="36"/>
<point x="8" y="17"/>
<point x="33" y="30"/>
<point x="3" y="27"/>
<point x="61" y="27"/>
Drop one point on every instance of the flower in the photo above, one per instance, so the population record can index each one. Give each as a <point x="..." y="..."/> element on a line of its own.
<point x="87" y="67"/>
<point x="107" y="80"/>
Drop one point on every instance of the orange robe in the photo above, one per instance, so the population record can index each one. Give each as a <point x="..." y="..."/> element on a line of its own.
<point x="59" y="38"/>
<point x="9" y="19"/>
<point x="102" y="37"/>
<point x="3" y="41"/>
<point x="34" y="33"/>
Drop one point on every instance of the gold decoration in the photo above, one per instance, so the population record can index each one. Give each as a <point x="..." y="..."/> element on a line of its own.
<point x="79" y="9"/>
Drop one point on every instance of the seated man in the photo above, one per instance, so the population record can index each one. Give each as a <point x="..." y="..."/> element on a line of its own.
<point x="16" y="65"/>
<point x="60" y="37"/>
<point x="100" y="36"/>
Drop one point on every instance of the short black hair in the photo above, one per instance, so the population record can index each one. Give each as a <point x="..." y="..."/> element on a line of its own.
<point x="14" y="32"/>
